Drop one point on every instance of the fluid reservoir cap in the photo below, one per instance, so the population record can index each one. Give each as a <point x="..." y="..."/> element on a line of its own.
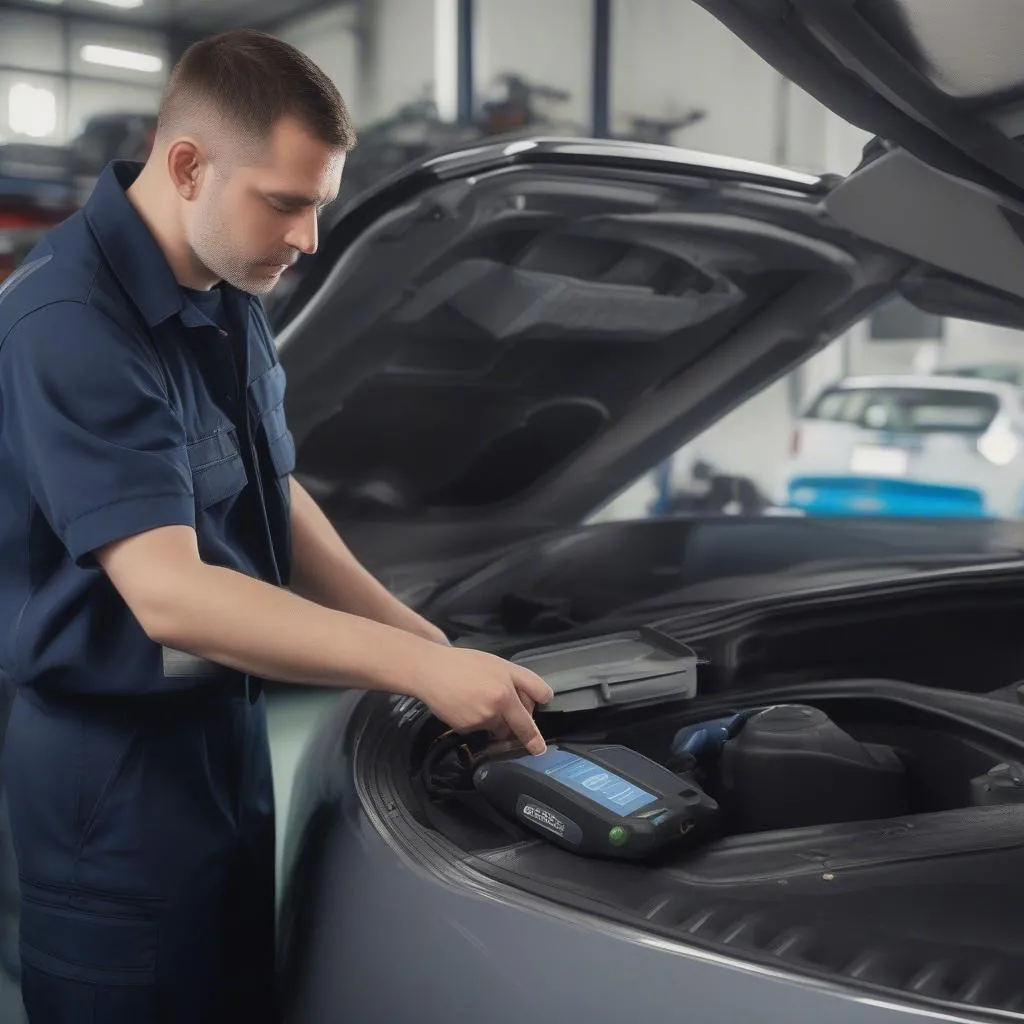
<point x="788" y="718"/>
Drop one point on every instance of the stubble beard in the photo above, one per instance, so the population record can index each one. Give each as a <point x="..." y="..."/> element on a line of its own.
<point x="211" y="245"/>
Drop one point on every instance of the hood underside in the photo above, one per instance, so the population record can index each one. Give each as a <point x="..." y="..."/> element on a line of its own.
<point x="515" y="334"/>
<point x="941" y="86"/>
<point x="942" y="80"/>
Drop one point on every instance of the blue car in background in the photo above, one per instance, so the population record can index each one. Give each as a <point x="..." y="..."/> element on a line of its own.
<point x="909" y="445"/>
<point x="874" y="496"/>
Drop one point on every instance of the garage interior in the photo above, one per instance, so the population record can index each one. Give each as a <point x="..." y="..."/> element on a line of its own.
<point x="80" y="81"/>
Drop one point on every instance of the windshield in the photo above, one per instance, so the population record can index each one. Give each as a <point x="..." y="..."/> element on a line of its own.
<point x="907" y="410"/>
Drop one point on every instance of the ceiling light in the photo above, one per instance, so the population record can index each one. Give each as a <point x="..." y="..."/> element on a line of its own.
<point x="124" y="4"/>
<point x="54" y="3"/>
<point x="130" y="60"/>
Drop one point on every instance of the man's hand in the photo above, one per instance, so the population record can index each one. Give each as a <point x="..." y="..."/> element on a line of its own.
<point x="472" y="691"/>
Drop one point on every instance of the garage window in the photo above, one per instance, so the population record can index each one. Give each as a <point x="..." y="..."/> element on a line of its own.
<point x="31" y="110"/>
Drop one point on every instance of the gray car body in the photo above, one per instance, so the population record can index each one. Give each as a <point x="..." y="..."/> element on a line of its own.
<point x="391" y="939"/>
<point x="377" y="929"/>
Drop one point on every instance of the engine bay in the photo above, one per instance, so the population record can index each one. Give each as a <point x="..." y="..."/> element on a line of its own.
<point x="871" y="830"/>
<point x="790" y="765"/>
<point x="822" y="754"/>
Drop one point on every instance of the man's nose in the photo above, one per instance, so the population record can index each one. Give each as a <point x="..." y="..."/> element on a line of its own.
<point x="304" y="233"/>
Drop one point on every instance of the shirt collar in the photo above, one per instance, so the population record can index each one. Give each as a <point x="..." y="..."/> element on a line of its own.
<point x="133" y="254"/>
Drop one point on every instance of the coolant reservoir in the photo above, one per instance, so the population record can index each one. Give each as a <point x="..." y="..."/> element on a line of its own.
<point x="792" y="766"/>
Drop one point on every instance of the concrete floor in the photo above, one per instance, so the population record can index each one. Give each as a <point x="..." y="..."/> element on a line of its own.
<point x="290" y="718"/>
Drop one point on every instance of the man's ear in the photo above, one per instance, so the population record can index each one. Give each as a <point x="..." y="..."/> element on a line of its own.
<point x="185" y="165"/>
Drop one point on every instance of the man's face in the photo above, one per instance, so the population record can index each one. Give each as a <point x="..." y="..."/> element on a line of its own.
<point x="252" y="218"/>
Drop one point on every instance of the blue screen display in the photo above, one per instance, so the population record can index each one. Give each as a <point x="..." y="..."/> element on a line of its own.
<point x="591" y="780"/>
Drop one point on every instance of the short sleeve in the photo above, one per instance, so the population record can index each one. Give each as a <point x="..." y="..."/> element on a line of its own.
<point x="86" y="415"/>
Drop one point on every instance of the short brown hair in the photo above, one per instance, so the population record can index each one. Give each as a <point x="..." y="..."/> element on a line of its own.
<point x="253" y="79"/>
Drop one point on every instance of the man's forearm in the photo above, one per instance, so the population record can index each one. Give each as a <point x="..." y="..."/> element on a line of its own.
<point x="254" y="627"/>
<point x="232" y="619"/>
<point x="324" y="570"/>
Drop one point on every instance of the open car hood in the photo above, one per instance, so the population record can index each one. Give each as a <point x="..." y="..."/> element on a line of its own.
<point x="495" y="342"/>
<point x="940" y="83"/>
<point x="943" y="80"/>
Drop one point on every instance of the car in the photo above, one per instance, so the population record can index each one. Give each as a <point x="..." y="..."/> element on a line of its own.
<point x="770" y="789"/>
<point x="36" y="193"/>
<point x="119" y="135"/>
<point x="909" y="445"/>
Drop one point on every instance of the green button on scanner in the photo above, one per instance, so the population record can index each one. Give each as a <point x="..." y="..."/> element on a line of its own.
<point x="618" y="835"/>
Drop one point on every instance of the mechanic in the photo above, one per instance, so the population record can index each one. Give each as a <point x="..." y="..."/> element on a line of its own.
<point x="158" y="559"/>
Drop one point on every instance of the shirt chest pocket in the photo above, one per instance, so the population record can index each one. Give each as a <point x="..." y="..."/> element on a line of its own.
<point x="266" y="396"/>
<point x="218" y="470"/>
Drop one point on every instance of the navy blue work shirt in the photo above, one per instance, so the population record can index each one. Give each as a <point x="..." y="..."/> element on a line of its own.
<point x="126" y="406"/>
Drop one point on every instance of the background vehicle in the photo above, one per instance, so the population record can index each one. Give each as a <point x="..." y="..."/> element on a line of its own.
<point x="37" y="191"/>
<point x="910" y="445"/>
<point x="111" y="136"/>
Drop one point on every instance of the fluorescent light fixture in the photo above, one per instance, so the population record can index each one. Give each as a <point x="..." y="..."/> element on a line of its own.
<point x="130" y="60"/>
<point x="52" y="3"/>
<point x="126" y="5"/>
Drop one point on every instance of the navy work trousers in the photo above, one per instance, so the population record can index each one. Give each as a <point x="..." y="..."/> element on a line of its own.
<point x="144" y="834"/>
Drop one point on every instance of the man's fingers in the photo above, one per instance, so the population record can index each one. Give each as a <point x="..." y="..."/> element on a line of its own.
<point x="527" y="701"/>
<point x="523" y="727"/>
<point x="531" y="684"/>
